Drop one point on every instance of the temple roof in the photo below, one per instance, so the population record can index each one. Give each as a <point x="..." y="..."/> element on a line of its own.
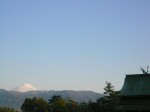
<point x="136" y="84"/>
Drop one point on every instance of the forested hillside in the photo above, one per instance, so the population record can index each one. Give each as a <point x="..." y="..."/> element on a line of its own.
<point x="15" y="99"/>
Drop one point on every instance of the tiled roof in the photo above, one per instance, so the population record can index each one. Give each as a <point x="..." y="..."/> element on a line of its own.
<point x="136" y="84"/>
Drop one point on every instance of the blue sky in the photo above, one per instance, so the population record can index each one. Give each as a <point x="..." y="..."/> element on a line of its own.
<point x="72" y="44"/>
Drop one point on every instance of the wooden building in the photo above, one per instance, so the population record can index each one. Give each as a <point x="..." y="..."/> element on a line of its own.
<point x="135" y="94"/>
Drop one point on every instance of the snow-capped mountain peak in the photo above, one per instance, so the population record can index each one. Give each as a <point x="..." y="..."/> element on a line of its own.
<point x="25" y="87"/>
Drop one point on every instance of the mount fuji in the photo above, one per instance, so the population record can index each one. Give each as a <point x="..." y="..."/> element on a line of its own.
<point x="25" y="88"/>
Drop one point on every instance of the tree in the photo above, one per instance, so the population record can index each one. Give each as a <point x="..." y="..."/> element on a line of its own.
<point x="57" y="104"/>
<point x="35" y="105"/>
<point x="106" y="103"/>
<point x="7" y="109"/>
<point x="71" y="105"/>
<point x="83" y="107"/>
<point x="94" y="107"/>
<point x="110" y="99"/>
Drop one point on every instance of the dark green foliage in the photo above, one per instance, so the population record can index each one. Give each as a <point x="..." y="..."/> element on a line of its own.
<point x="111" y="98"/>
<point x="83" y="107"/>
<point x="106" y="103"/>
<point x="94" y="107"/>
<point x="35" y="105"/>
<point x="58" y="104"/>
<point x="71" y="105"/>
<point x="6" y="109"/>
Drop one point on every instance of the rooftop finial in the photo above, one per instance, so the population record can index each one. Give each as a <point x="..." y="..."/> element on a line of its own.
<point x="145" y="72"/>
<point x="147" y="69"/>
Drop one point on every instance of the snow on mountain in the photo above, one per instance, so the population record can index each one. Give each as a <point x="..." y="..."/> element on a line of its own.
<point x="25" y="87"/>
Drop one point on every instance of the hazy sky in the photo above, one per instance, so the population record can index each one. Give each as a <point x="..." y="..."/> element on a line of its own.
<point x="72" y="44"/>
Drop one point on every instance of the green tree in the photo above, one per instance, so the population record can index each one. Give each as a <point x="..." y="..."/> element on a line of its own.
<point x="93" y="107"/>
<point x="111" y="98"/>
<point x="106" y="103"/>
<point x="7" y="109"/>
<point x="34" y="105"/>
<point x="57" y="104"/>
<point x="71" y="105"/>
<point x="83" y="107"/>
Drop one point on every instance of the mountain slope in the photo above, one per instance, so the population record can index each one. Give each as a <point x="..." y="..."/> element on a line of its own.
<point x="15" y="99"/>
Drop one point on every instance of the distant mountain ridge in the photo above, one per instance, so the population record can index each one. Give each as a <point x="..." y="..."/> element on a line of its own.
<point x="14" y="99"/>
